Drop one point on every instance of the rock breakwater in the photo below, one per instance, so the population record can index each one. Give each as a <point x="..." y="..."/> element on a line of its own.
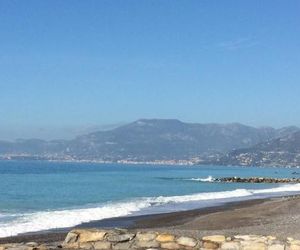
<point x="257" y="180"/>
<point x="122" y="239"/>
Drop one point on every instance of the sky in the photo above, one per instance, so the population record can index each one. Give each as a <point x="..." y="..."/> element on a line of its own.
<point x="70" y="65"/>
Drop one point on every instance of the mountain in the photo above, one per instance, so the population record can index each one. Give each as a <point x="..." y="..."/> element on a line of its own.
<point x="156" y="139"/>
<point x="149" y="140"/>
<point x="283" y="151"/>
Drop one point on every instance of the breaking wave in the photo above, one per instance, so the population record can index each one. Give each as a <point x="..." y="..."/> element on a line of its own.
<point x="208" y="179"/>
<point x="44" y="220"/>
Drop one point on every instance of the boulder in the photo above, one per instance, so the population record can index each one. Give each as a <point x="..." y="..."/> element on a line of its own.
<point x="146" y="236"/>
<point x="255" y="246"/>
<point x="186" y="241"/>
<point x="122" y="246"/>
<point x="210" y="245"/>
<point x="170" y="245"/>
<point x="103" y="245"/>
<point x="165" y="237"/>
<point x="276" y="247"/>
<point x="294" y="247"/>
<point x="214" y="238"/>
<point x="71" y="237"/>
<point x="230" y="246"/>
<point x="86" y="245"/>
<point x="146" y="244"/>
<point x="90" y="235"/>
<point x="120" y="237"/>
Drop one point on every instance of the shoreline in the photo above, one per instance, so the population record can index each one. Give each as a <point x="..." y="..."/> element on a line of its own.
<point x="278" y="216"/>
<point x="183" y="163"/>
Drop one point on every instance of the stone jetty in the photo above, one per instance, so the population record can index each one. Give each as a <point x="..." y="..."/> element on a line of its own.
<point x="122" y="239"/>
<point x="257" y="180"/>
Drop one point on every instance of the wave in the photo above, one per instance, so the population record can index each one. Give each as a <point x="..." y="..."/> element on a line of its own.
<point x="208" y="179"/>
<point x="45" y="220"/>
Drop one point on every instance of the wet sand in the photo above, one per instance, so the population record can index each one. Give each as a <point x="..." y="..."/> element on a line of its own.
<point x="273" y="216"/>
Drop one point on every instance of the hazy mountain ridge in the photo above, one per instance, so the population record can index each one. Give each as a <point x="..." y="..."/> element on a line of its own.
<point x="167" y="139"/>
<point x="149" y="140"/>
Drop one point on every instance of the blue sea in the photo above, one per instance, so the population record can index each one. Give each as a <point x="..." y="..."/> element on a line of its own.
<point x="36" y="196"/>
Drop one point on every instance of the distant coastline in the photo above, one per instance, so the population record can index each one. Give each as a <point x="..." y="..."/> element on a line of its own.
<point x="129" y="162"/>
<point x="168" y="142"/>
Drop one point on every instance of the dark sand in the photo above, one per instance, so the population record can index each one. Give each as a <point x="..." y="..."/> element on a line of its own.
<point x="274" y="216"/>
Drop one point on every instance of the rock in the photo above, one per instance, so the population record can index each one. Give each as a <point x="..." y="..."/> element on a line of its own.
<point x="71" y="237"/>
<point x="170" y="245"/>
<point x="251" y="238"/>
<point x="276" y="247"/>
<point x="215" y="238"/>
<point x="210" y="245"/>
<point x="186" y="241"/>
<point x="90" y="235"/>
<point x="103" y="245"/>
<point x="86" y="245"/>
<point x="271" y="237"/>
<point x="294" y="247"/>
<point x="19" y="247"/>
<point x="146" y="236"/>
<point x="120" y="237"/>
<point x="73" y="245"/>
<point x="165" y="237"/>
<point x="295" y="242"/>
<point x="122" y="246"/>
<point x="230" y="246"/>
<point x="146" y="244"/>
<point x="255" y="246"/>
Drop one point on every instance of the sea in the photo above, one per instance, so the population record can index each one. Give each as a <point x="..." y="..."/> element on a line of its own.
<point x="37" y="196"/>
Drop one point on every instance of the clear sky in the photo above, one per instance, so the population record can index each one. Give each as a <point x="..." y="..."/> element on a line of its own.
<point x="75" y="63"/>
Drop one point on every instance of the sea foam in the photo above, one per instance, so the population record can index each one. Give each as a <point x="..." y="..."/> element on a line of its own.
<point x="44" y="220"/>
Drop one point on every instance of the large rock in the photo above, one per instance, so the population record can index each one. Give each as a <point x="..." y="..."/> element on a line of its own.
<point x="146" y="236"/>
<point x="102" y="245"/>
<point x="90" y="235"/>
<point x="165" y="237"/>
<point x="255" y="238"/>
<point x="120" y="237"/>
<point x="146" y="244"/>
<point x="214" y="238"/>
<point x="170" y="245"/>
<point x="122" y="246"/>
<point x="186" y="241"/>
<point x="255" y="246"/>
<point x="86" y="245"/>
<point x="294" y="247"/>
<point x="74" y="245"/>
<point x="276" y="247"/>
<point x="71" y="237"/>
<point x="210" y="245"/>
<point x="230" y="246"/>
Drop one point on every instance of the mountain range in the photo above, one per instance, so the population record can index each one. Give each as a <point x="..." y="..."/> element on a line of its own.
<point x="163" y="140"/>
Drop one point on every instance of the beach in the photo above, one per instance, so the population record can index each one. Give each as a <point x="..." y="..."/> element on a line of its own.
<point x="273" y="216"/>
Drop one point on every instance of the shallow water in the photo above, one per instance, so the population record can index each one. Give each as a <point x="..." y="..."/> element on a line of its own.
<point x="37" y="196"/>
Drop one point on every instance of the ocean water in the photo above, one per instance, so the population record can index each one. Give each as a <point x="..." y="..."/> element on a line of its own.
<point x="37" y="196"/>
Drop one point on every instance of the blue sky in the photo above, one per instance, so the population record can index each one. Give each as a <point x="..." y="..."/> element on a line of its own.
<point x="73" y="64"/>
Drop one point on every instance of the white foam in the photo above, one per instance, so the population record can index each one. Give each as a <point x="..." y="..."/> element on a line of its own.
<point x="67" y="218"/>
<point x="280" y="189"/>
<point x="208" y="179"/>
